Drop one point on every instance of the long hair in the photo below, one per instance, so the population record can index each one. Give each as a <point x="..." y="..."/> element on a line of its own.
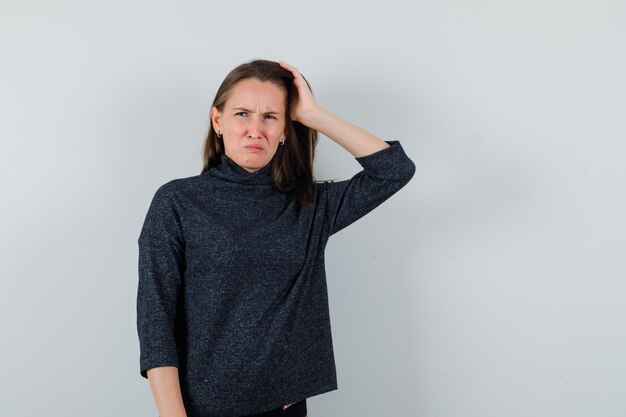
<point x="292" y="165"/>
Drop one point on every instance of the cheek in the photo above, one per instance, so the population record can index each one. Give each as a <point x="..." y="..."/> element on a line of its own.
<point x="275" y="131"/>
<point x="278" y="129"/>
<point x="237" y="126"/>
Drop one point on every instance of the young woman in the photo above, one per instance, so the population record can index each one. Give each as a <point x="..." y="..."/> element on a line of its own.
<point x="232" y="303"/>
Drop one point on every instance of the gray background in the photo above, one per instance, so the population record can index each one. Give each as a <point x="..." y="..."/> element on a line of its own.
<point x="492" y="285"/>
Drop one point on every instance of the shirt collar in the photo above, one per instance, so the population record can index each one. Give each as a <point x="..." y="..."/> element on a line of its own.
<point x="230" y="171"/>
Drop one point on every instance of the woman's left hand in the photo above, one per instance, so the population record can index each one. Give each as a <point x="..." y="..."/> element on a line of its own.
<point x="303" y="107"/>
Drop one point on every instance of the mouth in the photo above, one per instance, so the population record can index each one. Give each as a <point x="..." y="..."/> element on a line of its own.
<point x="253" y="148"/>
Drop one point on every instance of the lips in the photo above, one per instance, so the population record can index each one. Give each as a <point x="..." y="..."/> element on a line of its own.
<point x="254" y="148"/>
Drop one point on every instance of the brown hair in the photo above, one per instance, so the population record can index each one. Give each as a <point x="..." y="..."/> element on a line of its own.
<point x="292" y="165"/>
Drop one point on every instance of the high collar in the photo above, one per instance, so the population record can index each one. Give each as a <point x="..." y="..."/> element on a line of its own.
<point x="230" y="171"/>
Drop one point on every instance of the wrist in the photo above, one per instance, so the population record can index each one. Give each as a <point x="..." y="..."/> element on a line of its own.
<point x="315" y="118"/>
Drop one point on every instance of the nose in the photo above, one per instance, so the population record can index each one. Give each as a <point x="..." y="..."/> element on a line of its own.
<point x="254" y="128"/>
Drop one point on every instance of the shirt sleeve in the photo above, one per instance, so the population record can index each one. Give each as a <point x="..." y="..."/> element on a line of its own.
<point x="161" y="267"/>
<point x="385" y="172"/>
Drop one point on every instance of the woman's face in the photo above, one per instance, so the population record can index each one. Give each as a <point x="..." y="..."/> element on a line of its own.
<point x="252" y="122"/>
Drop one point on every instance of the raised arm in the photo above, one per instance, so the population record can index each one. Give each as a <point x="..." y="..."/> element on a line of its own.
<point x="386" y="167"/>
<point x="306" y="111"/>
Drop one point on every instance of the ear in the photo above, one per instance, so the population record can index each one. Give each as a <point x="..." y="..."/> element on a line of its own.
<point x="216" y="116"/>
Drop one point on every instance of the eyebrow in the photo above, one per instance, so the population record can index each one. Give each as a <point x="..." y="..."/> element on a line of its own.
<point x="250" y="111"/>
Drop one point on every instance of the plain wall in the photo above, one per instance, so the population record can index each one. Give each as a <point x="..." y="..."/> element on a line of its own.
<point x="491" y="285"/>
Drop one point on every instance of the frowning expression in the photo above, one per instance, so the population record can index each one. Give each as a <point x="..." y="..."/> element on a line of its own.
<point x="252" y="122"/>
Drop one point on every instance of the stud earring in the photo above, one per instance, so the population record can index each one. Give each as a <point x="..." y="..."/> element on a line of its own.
<point x="219" y="135"/>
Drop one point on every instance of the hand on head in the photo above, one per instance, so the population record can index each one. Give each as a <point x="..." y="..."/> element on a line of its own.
<point x="303" y="106"/>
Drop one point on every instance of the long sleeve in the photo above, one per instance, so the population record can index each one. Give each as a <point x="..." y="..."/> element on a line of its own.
<point x="161" y="267"/>
<point x="385" y="172"/>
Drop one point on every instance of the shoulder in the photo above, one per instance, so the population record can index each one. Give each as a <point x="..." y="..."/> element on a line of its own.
<point x="326" y="189"/>
<point x="177" y="186"/>
<point x="323" y="186"/>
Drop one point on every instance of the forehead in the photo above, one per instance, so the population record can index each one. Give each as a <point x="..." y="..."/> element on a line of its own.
<point x="254" y="93"/>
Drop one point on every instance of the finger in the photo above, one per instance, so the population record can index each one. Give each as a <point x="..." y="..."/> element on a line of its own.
<point x="291" y="68"/>
<point x="299" y="80"/>
<point x="284" y="64"/>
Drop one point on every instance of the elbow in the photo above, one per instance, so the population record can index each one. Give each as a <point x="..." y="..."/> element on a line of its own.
<point x="407" y="172"/>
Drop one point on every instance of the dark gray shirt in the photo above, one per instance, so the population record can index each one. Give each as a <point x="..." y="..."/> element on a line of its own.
<point x="232" y="285"/>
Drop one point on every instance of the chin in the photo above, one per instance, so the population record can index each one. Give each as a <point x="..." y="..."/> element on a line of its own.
<point x="255" y="165"/>
<point x="256" y="161"/>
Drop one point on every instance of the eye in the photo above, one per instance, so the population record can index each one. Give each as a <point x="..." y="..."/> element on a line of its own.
<point x="269" y="116"/>
<point x="241" y="113"/>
